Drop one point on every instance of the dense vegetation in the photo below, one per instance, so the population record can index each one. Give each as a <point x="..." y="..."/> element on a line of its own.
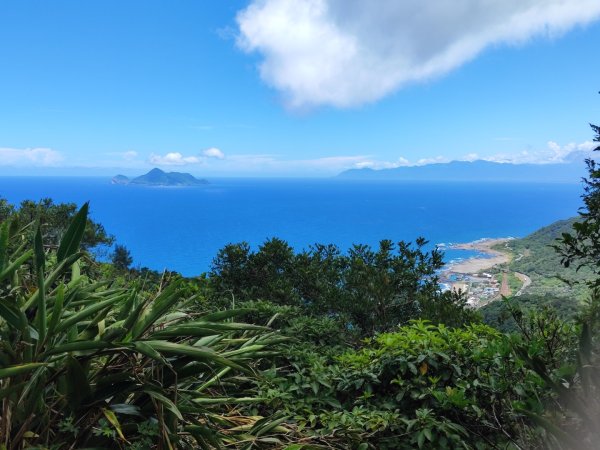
<point x="100" y="355"/>
<point x="536" y="256"/>
<point x="581" y="247"/>
<point x="281" y="349"/>
<point x="364" y="291"/>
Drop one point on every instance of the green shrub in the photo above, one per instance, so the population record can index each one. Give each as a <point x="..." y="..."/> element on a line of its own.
<point x="422" y="386"/>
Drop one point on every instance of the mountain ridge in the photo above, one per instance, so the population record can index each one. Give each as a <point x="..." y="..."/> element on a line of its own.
<point x="478" y="170"/>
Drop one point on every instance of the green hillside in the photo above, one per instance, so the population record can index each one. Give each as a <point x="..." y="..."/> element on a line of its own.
<point x="535" y="256"/>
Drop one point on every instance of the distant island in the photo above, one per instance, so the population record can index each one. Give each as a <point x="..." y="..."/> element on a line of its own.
<point x="157" y="177"/>
<point x="479" y="170"/>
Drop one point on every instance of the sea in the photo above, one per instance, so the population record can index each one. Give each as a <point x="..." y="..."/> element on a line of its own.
<point x="182" y="228"/>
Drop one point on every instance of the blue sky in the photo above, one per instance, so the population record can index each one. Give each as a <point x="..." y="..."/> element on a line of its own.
<point x="293" y="88"/>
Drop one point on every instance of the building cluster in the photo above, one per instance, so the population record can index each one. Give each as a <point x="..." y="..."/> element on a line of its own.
<point x="479" y="287"/>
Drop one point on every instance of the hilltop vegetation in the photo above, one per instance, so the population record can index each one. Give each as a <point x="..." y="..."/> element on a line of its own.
<point x="536" y="256"/>
<point x="553" y="286"/>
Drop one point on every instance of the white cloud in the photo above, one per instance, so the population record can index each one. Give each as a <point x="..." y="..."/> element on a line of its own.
<point x="129" y="155"/>
<point x="435" y="160"/>
<point x="178" y="159"/>
<point x="268" y="164"/>
<point x="348" y="52"/>
<point x="213" y="152"/>
<point x="471" y="157"/>
<point x="553" y="154"/>
<point x="174" y="159"/>
<point x="29" y="157"/>
<point x="377" y="164"/>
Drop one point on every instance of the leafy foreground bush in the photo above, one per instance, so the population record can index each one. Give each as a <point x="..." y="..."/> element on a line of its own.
<point x="423" y="386"/>
<point x="83" y="365"/>
<point x="367" y="290"/>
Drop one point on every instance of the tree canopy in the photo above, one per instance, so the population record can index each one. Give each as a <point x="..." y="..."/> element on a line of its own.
<point x="582" y="246"/>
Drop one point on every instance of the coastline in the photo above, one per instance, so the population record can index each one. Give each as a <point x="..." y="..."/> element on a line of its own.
<point x="477" y="264"/>
<point x="478" y="277"/>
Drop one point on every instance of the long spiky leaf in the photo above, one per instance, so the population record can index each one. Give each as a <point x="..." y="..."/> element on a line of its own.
<point x="71" y="240"/>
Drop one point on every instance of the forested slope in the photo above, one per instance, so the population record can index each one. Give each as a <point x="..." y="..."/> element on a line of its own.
<point x="535" y="256"/>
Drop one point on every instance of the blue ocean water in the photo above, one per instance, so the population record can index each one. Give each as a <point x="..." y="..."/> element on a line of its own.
<point x="183" y="228"/>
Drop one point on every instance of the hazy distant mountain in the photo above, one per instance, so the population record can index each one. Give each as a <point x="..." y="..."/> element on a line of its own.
<point x="476" y="171"/>
<point x="157" y="177"/>
<point x="120" y="179"/>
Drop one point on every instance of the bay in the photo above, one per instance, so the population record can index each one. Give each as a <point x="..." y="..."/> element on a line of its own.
<point x="183" y="228"/>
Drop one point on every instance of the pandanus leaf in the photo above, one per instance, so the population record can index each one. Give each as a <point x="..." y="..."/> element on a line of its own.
<point x="166" y="402"/>
<point x="87" y="312"/>
<point x="71" y="240"/>
<point x="4" y="244"/>
<point x="12" y="267"/>
<point x="19" y="369"/>
<point x="51" y="278"/>
<point x="155" y="309"/>
<point x="40" y="264"/>
<point x="199" y="354"/>
<point x="13" y="315"/>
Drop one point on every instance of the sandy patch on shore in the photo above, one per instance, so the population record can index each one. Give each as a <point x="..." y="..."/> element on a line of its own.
<point x="477" y="265"/>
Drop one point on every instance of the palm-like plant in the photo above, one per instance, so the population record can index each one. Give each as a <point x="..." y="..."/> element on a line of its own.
<point x="83" y="364"/>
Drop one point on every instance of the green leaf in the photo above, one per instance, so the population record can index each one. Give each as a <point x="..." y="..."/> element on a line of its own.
<point x="12" y="371"/>
<point x="264" y="427"/>
<point x="201" y="329"/>
<point x="167" y="403"/>
<point x="79" y="346"/>
<point x="421" y="439"/>
<point x="4" y="244"/>
<point x="205" y="355"/>
<point x="7" y="273"/>
<point x="57" y="310"/>
<point x="71" y="241"/>
<point x="206" y="437"/>
<point x="13" y="315"/>
<point x="427" y="433"/>
<point x="112" y="418"/>
<point x="50" y="279"/>
<point x="40" y="263"/>
<point x="159" y="306"/>
<point x="227" y="400"/>
<point x="86" y="312"/>
<point x="148" y="351"/>
<point x="78" y="387"/>
<point x="227" y="314"/>
<point x="38" y="246"/>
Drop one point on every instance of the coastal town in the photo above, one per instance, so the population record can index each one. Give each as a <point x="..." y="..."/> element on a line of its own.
<point x="484" y="278"/>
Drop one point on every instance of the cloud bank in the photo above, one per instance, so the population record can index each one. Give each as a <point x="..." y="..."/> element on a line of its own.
<point x="553" y="154"/>
<point x="173" y="159"/>
<point x="344" y="53"/>
<point x="20" y="157"/>
<point x="178" y="159"/>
